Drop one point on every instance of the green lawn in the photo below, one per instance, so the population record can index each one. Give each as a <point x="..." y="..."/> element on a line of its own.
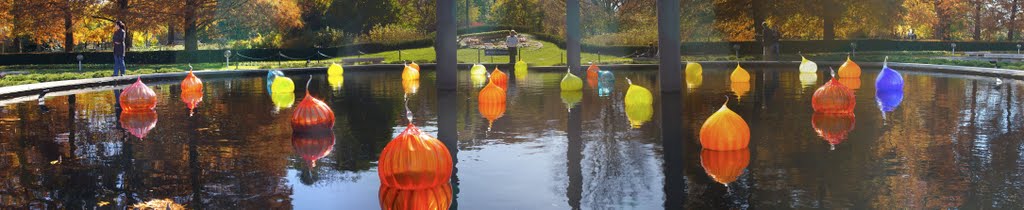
<point x="548" y="55"/>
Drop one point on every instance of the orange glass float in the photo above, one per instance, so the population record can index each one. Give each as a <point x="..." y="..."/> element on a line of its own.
<point x="592" y="75"/>
<point x="833" y="97"/>
<point x="852" y="83"/>
<point x="434" y="198"/>
<point x="312" y="145"/>
<point x="138" y="123"/>
<point x="491" y="102"/>
<point x="191" y="83"/>
<point x="312" y="113"/>
<point x="724" y="130"/>
<point x="138" y="97"/>
<point x="833" y="127"/>
<point x="192" y="99"/>
<point x="849" y="69"/>
<point x="499" y="78"/>
<point x="410" y="73"/>
<point x="415" y="66"/>
<point x="725" y="166"/>
<point x="414" y="160"/>
<point x="411" y="86"/>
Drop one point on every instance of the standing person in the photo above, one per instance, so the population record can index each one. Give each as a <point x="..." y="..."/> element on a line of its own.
<point x="120" y="34"/>
<point x="770" y="43"/>
<point x="512" y="42"/>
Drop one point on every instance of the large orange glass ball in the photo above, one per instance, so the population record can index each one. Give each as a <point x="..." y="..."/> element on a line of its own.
<point x="414" y="160"/>
<point x="410" y="73"/>
<point x="724" y="130"/>
<point x="833" y="97"/>
<point x="191" y="83"/>
<point x="312" y="113"/>
<point x="499" y="78"/>
<point x="138" y="97"/>
<point x="491" y="102"/>
<point x="433" y="198"/>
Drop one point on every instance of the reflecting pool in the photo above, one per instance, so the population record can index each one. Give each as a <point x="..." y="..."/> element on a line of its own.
<point x="944" y="142"/>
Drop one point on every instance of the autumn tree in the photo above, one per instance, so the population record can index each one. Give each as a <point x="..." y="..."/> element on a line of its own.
<point x="52" y="19"/>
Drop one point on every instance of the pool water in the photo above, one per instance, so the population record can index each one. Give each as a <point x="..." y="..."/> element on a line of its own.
<point x="951" y="142"/>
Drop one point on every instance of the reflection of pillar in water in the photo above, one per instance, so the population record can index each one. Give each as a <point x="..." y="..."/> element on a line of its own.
<point x="447" y="132"/>
<point x="71" y="125"/>
<point x="195" y="170"/>
<point x="673" y="147"/>
<point x="574" y="153"/>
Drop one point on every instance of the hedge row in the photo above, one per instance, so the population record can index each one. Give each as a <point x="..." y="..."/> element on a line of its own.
<point x="202" y="56"/>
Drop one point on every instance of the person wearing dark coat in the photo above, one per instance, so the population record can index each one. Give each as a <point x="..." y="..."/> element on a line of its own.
<point x="120" y="34"/>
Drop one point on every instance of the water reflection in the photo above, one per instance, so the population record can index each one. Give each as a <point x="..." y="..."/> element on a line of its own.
<point x="834" y="128"/>
<point x="809" y="79"/>
<point x="740" y="89"/>
<point x="337" y="82"/>
<point x="852" y="83"/>
<point x="138" y="123"/>
<point x="724" y="166"/>
<point x="957" y="144"/>
<point x="436" y="198"/>
<point x="888" y="100"/>
<point x="312" y="145"/>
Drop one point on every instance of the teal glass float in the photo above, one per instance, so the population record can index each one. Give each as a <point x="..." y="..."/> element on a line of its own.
<point x="888" y="79"/>
<point x="605" y="83"/>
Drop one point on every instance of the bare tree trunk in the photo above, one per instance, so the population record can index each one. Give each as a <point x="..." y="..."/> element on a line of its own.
<point x="191" y="38"/>
<point x="69" y="33"/>
<point x="1012" y="33"/>
<point x="170" y="33"/>
<point x="756" y="13"/>
<point x="977" y="20"/>
<point x="828" y="20"/>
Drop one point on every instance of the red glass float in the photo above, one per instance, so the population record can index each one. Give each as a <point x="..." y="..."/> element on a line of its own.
<point x="593" y="75"/>
<point x="138" y="97"/>
<point x="138" y="123"/>
<point x="724" y="130"/>
<point x="491" y="102"/>
<point x="833" y="127"/>
<point x="192" y="99"/>
<point x="725" y="166"/>
<point x="414" y="160"/>
<point x="833" y="97"/>
<point x="312" y="113"/>
<point x="434" y="198"/>
<point x="191" y="83"/>
<point x="499" y="78"/>
<point x="312" y="145"/>
<point x="410" y="73"/>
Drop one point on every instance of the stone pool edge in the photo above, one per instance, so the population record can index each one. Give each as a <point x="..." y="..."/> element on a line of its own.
<point x="12" y="92"/>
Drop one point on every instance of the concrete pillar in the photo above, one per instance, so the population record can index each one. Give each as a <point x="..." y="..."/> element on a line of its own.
<point x="674" y="147"/>
<point x="445" y="46"/>
<point x="572" y="33"/>
<point x="668" y="45"/>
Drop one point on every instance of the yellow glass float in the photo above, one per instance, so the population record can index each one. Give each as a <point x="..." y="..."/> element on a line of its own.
<point x="335" y="70"/>
<point x="571" y="82"/>
<point x="521" y="70"/>
<point x="807" y="66"/>
<point x="637" y="95"/>
<point x="410" y="73"/>
<point x="739" y="75"/>
<point x="282" y="85"/>
<point x="478" y="69"/>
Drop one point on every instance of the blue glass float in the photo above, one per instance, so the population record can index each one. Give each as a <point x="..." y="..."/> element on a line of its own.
<point x="271" y="75"/>
<point x="606" y="83"/>
<point x="888" y="79"/>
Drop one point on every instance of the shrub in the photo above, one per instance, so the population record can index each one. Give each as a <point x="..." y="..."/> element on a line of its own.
<point x="631" y="37"/>
<point x="391" y="34"/>
<point x="330" y="37"/>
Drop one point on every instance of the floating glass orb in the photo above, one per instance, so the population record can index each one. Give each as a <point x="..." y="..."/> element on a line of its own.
<point x="191" y="83"/>
<point x="694" y="69"/>
<point x="499" y="78"/>
<point x="592" y="75"/>
<point x="808" y="66"/>
<point x="410" y="73"/>
<point x="312" y="145"/>
<point x="478" y="69"/>
<point x="833" y="97"/>
<point x="724" y="166"/>
<point x="637" y="95"/>
<point x="271" y="75"/>
<point x="849" y="69"/>
<point x="724" y="130"/>
<point x="311" y="113"/>
<point x="138" y="97"/>
<point x="335" y="70"/>
<point x="571" y="82"/>
<point x="491" y="102"/>
<point x="521" y="70"/>
<point x="888" y="79"/>
<point x="606" y="83"/>
<point x="282" y="85"/>
<point x="414" y="160"/>
<point x="739" y="75"/>
<point x="415" y="66"/>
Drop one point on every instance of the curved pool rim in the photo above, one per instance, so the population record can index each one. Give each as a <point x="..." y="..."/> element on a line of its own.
<point x="19" y="93"/>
